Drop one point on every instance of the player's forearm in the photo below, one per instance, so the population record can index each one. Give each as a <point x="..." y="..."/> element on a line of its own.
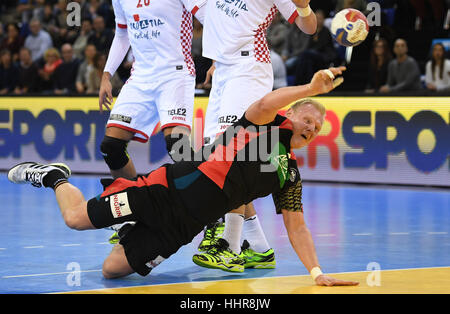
<point x="302" y="243"/>
<point x="307" y="24"/>
<point x="280" y="98"/>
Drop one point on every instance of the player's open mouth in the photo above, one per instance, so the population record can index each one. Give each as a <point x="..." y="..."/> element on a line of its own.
<point x="304" y="136"/>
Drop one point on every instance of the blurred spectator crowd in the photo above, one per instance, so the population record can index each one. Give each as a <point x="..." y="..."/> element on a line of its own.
<point x="407" y="52"/>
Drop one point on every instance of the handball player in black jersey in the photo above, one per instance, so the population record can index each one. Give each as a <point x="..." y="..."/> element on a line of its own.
<point x="171" y="205"/>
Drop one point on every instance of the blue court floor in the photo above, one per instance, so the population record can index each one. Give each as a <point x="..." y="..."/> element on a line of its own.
<point x="353" y="227"/>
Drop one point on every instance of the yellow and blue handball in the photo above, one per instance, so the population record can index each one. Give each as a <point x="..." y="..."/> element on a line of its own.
<point x="349" y="27"/>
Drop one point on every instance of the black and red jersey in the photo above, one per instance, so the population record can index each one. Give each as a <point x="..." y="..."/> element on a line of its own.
<point x="249" y="161"/>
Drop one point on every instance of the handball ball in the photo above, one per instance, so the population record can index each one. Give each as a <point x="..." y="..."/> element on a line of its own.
<point x="349" y="27"/>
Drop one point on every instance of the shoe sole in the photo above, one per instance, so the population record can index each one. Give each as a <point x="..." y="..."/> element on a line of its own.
<point x="268" y="265"/>
<point x="233" y="269"/>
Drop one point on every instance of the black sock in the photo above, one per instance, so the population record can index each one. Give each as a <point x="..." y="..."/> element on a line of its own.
<point x="53" y="179"/>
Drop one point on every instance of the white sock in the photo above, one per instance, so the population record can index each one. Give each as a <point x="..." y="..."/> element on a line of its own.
<point x="232" y="231"/>
<point x="254" y="234"/>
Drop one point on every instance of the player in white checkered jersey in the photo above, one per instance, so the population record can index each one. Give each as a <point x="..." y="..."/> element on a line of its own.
<point x="234" y="36"/>
<point x="161" y="86"/>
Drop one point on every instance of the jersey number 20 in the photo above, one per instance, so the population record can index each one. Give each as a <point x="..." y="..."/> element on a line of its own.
<point x="146" y="3"/>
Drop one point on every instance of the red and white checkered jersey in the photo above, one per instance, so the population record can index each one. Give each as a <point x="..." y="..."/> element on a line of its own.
<point x="235" y="29"/>
<point x="160" y="34"/>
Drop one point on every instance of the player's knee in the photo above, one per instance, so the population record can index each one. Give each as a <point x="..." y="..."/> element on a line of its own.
<point x="73" y="220"/>
<point x="114" y="152"/>
<point x="116" y="264"/>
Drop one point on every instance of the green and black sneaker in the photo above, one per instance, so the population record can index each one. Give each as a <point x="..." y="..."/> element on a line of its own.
<point x="254" y="259"/>
<point x="219" y="256"/>
<point x="114" y="238"/>
<point x="211" y="234"/>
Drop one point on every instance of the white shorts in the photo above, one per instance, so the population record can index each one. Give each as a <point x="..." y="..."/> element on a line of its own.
<point x="141" y="105"/>
<point x="234" y="88"/>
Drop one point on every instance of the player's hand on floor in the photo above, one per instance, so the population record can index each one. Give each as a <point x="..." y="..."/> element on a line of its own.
<point x="324" y="280"/>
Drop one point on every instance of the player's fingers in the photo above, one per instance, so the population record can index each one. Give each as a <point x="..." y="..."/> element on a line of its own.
<point x="338" y="282"/>
<point x="335" y="71"/>
<point x="338" y="81"/>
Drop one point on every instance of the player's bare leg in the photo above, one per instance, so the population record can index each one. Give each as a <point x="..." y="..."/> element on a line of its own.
<point x="116" y="264"/>
<point x="73" y="207"/>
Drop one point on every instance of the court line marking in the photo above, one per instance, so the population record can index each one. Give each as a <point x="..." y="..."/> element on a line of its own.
<point x="71" y="244"/>
<point x="362" y="234"/>
<point x="34" y="247"/>
<point x="438" y="232"/>
<point x="399" y="233"/>
<point x="227" y="280"/>
<point x="51" y="274"/>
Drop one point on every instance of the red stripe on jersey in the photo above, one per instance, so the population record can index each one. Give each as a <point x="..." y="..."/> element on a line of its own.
<point x="194" y="10"/>
<point x="120" y="126"/>
<point x="123" y="26"/>
<point x="155" y="177"/>
<point x="294" y="15"/>
<point x="286" y="124"/>
<point x="168" y="125"/>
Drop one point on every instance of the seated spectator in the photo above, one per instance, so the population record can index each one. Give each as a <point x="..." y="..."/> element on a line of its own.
<point x="95" y="77"/>
<point x="102" y="37"/>
<point x="277" y="33"/>
<point x="9" y="74"/>
<point x="279" y="70"/>
<point x="28" y="73"/>
<point x="52" y="61"/>
<point x="65" y="75"/>
<point x="85" y="69"/>
<point x="320" y="53"/>
<point x="296" y="42"/>
<point x="403" y="71"/>
<point x="202" y="64"/>
<point x="82" y="39"/>
<point x="437" y="70"/>
<point x="38" y="41"/>
<point x="13" y="41"/>
<point x="380" y="56"/>
<point x="429" y="19"/>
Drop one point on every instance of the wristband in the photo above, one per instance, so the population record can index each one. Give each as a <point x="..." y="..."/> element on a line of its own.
<point x="304" y="12"/>
<point x="315" y="272"/>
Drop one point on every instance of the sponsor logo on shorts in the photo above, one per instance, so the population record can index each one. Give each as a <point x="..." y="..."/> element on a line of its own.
<point x="228" y="119"/>
<point x="121" y="118"/>
<point x="119" y="205"/>
<point x="177" y="112"/>
<point x="158" y="260"/>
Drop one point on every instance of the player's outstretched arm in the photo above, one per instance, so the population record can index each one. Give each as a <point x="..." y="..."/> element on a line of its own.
<point x="264" y="110"/>
<point x="306" y="21"/>
<point x="302" y="242"/>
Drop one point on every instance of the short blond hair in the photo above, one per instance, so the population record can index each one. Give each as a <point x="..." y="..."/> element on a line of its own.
<point x="50" y="51"/>
<point x="314" y="103"/>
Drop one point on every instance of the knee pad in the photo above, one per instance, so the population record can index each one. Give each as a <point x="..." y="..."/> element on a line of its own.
<point x="179" y="147"/>
<point x="114" y="152"/>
